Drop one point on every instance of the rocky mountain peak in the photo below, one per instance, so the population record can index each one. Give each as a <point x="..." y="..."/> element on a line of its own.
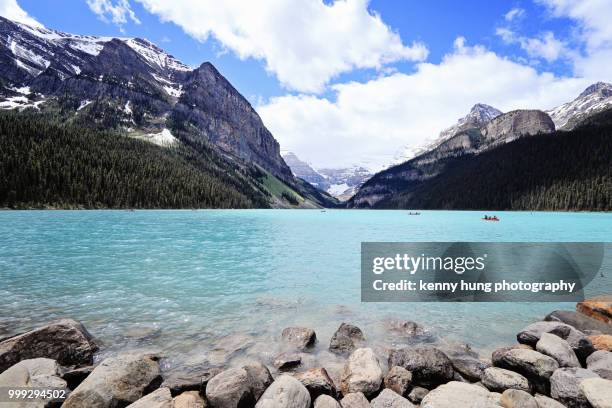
<point x="483" y="113"/>
<point x="602" y="88"/>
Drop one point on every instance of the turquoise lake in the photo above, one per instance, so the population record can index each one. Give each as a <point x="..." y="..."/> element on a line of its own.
<point x="192" y="282"/>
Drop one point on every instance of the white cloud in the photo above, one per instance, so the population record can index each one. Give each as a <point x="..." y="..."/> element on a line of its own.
<point x="11" y="10"/>
<point x="368" y="122"/>
<point x="515" y="14"/>
<point x="545" y="46"/>
<point x="118" y="12"/>
<point x="304" y="43"/>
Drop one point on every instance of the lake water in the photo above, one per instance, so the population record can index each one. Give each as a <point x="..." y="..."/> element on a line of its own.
<point x="205" y="283"/>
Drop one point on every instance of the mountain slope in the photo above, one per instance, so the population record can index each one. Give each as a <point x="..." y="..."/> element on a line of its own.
<point x="594" y="99"/>
<point x="130" y="86"/>
<point x="560" y="171"/>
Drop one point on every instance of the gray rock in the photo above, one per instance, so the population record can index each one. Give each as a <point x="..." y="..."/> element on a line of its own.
<point x="355" y="400"/>
<point x="469" y="367"/>
<point x="398" y="379"/>
<point x="390" y="399"/>
<point x="65" y="341"/>
<point x="238" y="387"/>
<point x="116" y="381"/>
<point x="408" y="330"/>
<point x="318" y="382"/>
<point x="546" y="402"/>
<point x="287" y="361"/>
<point x="362" y="373"/>
<point x="179" y="382"/>
<point x="325" y="401"/>
<point x="39" y="373"/>
<point x="577" y="340"/>
<point x="518" y="399"/>
<point x="75" y="376"/>
<point x="429" y="366"/>
<point x="598" y="392"/>
<point x="579" y="321"/>
<point x="346" y="339"/>
<point x="459" y="395"/>
<point x="511" y="125"/>
<point x="531" y="364"/>
<point x="160" y="398"/>
<point x="565" y="386"/>
<point x="557" y="348"/>
<point x="600" y="362"/>
<point x="499" y="379"/>
<point x="299" y="337"/>
<point x="417" y="394"/>
<point x="285" y="392"/>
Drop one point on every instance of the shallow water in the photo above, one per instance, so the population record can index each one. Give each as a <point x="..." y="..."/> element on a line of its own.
<point x="179" y="281"/>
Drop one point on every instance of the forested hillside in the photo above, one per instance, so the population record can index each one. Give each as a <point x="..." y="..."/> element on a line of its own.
<point x="47" y="164"/>
<point x="561" y="171"/>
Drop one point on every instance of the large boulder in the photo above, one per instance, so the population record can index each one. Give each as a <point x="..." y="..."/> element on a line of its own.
<point x="362" y="373"/>
<point x="531" y="364"/>
<point x="600" y="362"/>
<point x="65" y="341"/>
<point x="579" y="321"/>
<point x="285" y="392"/>
<point x="238" y="387"/>
<point x="189" y="399"/>
<point x="75" y="376"/>
<point x="390" y="399"/>
<point x="601" y="341"/>
<point x="598" y="392"/>
<point x="325" y="401"/>
<point x="287" y="361"/>
<point x="116" y="381"/>
<point x="299" y="337"/>
<point x="547" y="402"/>
<point x="429" y="366"/>
<point x="557" y="348"/>
<point x="565" y="386"/>
<point x="160" y="398"/>
<point x="600" y="309"/>
<point x="346" y="339"/>
<point x="517" y="399"/>
<point x="459" y="395"/>
<point x="317" y="381"/>
<point x="180" y="381"/>
<point x="499" y="379"/>
<point x="38" y="373"/>
<point x="532" y="333"/>
<point x="355" y="400"/>
<point x="398" y="379"/>
<point x="469" y="367"/>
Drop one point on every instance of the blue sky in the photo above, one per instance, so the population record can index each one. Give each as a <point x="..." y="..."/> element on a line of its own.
<point x="358" y="82"/>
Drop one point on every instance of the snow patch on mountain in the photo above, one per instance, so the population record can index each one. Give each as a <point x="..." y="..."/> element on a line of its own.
<point x="164" y="138"/>
<point x="593" y="99"/>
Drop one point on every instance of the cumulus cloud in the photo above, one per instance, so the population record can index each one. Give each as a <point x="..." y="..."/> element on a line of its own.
<point x="303" y="43"/>
<point x="366" y="123"/>
<point x="545" y="46"/>
<point x="118" y="12"/>
<point x="10" y="9"/>
<point x="515" y="14"/>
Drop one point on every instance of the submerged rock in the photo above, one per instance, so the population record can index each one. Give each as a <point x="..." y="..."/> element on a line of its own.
<point x="565" y="386"/>
<point x="390" y="399"/>
<point x="598" y="392"/>
<point x="362" y="373"/>
<point x="65" y="341"/>
<point x="285" y="392"/>
<point x="299" y="337"/>
<point x="600" y="362"/>
<point x="116" y="381"/>
<point x="429" y="366"/>
<point x="557" y="348"/>
<point x="346" y="339"/>
<point x="499" y="379"/>
<point x="355" y="400"/>
<point x="317" y="381"/>
<point x="398" y="379"/>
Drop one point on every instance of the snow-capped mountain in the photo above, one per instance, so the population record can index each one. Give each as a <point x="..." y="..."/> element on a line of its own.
<point x="478" y="116"/>
<point x="340" y="183"/>
<point x="132" y="85"/>
<point x="594" y="99"/>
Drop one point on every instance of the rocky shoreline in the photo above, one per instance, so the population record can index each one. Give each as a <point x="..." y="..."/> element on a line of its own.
<point x="565" y="360"/>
